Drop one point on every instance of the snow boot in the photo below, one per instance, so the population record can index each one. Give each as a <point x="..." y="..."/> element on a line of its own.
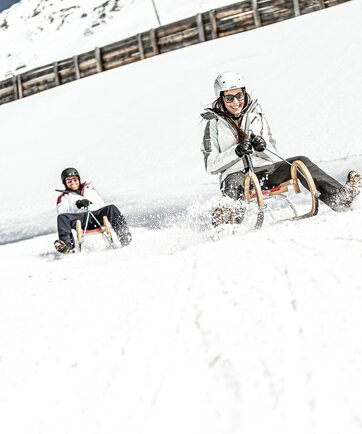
<point x="62" y="247"/>
<point x="124" y="235"/>
<point x="348" y="193"/>
<point x="226" y="216"/>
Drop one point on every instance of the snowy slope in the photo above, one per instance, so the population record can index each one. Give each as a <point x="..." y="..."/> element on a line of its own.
<point x="255" y="333"/>
<point x="36" y="32"/>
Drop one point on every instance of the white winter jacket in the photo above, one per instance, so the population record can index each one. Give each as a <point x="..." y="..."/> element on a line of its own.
<point x="220" y="141"/>
<point x="66" y="201"/>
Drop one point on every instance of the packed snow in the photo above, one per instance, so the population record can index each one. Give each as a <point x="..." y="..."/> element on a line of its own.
<point x="185" y="331"/>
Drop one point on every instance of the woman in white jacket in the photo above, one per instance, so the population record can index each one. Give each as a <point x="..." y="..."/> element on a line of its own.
<point x="72" y="205"/>
<point x="236" y="126"/>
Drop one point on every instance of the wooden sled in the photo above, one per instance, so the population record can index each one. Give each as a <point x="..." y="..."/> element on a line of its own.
<point x="104" y="230"/>
<point x="253" y="192"/>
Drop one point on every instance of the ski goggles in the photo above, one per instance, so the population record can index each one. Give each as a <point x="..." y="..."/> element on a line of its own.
<point x="70" y="180"/>
<point x="230" y="98"/>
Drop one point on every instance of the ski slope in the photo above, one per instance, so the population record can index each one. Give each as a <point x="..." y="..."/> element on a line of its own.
<point x="30" y="27"/>
<point x="252" y="333"/>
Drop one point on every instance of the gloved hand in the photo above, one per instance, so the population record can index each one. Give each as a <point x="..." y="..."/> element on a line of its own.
<point x="83" y="203"/>
<point x="243" y="148"/>
<point x="258" y="143"/>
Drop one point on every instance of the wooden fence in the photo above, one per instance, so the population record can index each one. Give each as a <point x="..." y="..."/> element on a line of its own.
<point x="217" y="23"/>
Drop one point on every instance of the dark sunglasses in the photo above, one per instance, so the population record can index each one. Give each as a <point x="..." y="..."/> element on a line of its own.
<point x="230" y="98"/>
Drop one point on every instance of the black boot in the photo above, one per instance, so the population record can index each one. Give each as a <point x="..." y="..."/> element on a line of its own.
<point x="124" y="235"/>
<point x="62" y="247"/>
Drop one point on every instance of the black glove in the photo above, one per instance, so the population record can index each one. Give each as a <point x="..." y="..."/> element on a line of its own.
<point x="243" y="148"/>
<point x="258" y="143"/>
<point x="83" y="203"/>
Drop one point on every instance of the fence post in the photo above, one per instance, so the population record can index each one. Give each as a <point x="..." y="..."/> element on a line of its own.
<point x="140" y="46"/>
<point x="154" y="42"/>
<point x="15" y="87"/>
<point x="76" y="67"/>
<point x="296" y="8"/>
<point x="56" y="74"/>
<point x="321" y="4"/>
<point x="213" y="24"/>
<point x="200" y="28"/>
<point x="20" y="86"/>
<point x="257" y="19"/>
<point x="98" y="56"/>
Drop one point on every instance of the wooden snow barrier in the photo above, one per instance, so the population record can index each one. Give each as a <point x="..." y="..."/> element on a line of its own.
<point x="217" y="23"/>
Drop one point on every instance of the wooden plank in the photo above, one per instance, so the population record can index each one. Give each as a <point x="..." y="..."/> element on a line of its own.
<point x="178" y="37"/>
<point x="87" y="64"/>
<point x="38" y="80"/>
<point x="176" y="27"/>
<point x="140" y="46"/>
<point x="236" y="9"/>
<point x="98" y="57"/>
<point x="124" y="51"/>
<point x="200" y="28"/>
<point x="256" y="13"/>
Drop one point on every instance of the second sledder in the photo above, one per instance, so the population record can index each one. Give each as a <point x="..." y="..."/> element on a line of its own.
<point x="73" y="205"/>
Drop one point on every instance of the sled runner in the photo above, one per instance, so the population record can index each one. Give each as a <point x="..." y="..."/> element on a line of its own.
<point x="104" y="230"/>
<point x="253" y="192"/>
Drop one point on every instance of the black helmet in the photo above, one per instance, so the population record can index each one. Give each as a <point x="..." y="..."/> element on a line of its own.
<point x="70" y="171"/>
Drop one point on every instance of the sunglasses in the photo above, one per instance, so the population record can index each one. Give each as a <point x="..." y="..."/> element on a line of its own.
<point x="230" y="98"/>
<point x="70" y="180"/>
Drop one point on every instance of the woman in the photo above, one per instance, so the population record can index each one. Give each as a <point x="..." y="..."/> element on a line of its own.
<point x="236" y="126"/>
<point x="72" y="205"/>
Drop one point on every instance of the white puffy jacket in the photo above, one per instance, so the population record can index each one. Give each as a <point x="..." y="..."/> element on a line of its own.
<point x="66" y="201"/>
<point x="220" y="141"/>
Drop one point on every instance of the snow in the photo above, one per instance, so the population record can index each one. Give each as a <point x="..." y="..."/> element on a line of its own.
<point x="30" y="27"/>
<point x="181" y="332"/>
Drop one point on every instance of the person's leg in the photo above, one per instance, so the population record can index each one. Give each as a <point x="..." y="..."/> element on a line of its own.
<point x="232" y="210"/>
<point x="233" y="186"/>
<point x="66" y="222"/>
<point x="327" y="186"/>
<point x="117" y="221"/>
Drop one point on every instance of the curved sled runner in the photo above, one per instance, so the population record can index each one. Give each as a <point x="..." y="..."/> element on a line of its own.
<point x="253" y="191"/>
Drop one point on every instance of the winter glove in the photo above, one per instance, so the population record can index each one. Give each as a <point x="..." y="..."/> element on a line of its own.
<point x="83" y="203"/>
<point x="243" y="148"/>
<point x="258" y="143"/>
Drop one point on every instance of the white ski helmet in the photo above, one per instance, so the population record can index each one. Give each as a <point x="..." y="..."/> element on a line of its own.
<point x="228" y="80"/>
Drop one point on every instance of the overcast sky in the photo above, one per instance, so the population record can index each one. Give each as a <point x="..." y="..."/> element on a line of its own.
<point x="4" y="4"/>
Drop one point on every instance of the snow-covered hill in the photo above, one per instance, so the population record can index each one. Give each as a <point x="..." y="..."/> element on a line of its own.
<point x="255" y="333"/>
<point x="37" y="32"/>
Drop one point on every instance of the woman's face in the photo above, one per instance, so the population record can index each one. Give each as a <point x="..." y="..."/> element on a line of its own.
<point x="72" y="183"/>
<point x="234" y="100"/>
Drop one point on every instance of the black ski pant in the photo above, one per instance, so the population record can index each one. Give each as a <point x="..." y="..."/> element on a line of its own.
<point x="67" y="221"/>
<point x="275" y="174"/>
